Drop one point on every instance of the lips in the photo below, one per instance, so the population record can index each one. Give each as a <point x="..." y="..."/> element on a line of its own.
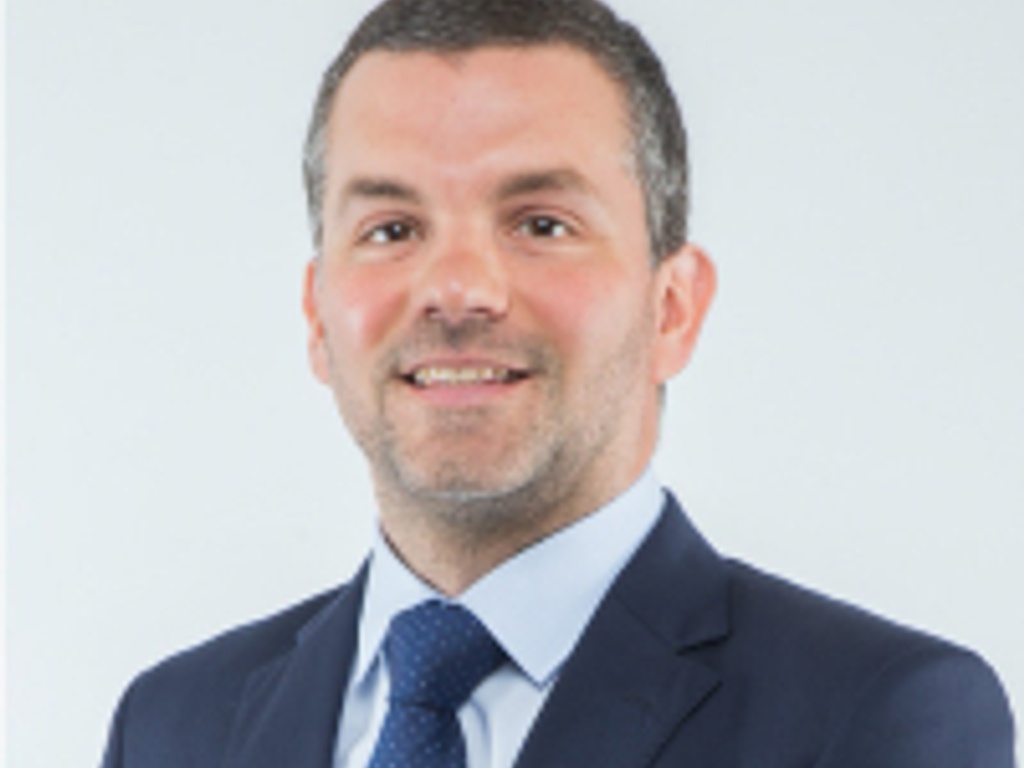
<point x="432" y="375"/>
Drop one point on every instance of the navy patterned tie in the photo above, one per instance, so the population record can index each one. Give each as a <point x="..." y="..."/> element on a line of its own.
<point x="437" y="653"/>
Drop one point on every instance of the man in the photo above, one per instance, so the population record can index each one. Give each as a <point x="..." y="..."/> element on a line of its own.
<point x="502" y="287"/>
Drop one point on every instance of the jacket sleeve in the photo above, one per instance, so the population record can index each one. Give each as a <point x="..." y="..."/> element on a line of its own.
<point x="939" y="708"/>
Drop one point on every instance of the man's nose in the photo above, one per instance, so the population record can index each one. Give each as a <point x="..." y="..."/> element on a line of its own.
<point x="463" y="277"/>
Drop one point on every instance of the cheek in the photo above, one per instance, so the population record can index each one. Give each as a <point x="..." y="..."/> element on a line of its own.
<point x="585" y="310"/>
<point x="364" y="305"/>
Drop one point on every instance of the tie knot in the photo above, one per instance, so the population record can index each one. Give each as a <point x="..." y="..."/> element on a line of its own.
<point x="437" y="654"/>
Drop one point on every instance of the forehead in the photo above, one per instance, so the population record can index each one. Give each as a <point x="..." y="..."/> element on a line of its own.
<point x="456" y="104"/>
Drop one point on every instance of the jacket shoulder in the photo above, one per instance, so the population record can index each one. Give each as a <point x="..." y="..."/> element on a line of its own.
<point x="196" y="692"/>
<point x="780" y="613"/>
<point x="845" y="685"/>
<point x="238" y="651"/>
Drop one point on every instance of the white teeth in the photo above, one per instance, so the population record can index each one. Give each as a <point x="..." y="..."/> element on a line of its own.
<point x="433" y="377"/>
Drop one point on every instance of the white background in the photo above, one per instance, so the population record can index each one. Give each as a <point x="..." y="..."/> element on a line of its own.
<point x="853" y="418"/>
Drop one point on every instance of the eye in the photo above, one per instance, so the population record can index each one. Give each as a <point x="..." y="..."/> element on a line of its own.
<point x="397" y="231"/>
<point x="544" y="227"/>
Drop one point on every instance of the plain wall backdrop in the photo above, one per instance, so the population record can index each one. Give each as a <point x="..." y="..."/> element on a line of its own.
<point x="853" y="418"/>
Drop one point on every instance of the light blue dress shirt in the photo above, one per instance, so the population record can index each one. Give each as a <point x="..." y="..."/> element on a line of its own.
<point x="536" y="605"/>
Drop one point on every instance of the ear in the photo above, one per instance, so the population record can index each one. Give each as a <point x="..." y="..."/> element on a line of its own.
<point x="685" y="284"/>
<point x="316" y="343"/>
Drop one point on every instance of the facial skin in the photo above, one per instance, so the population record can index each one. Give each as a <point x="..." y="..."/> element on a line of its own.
<point x="484" y="306"/>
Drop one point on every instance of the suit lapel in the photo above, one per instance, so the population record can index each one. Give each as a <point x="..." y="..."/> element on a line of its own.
<point x="289" y="711"/>
<point x="630" y="685"/>
<point x="637" y="672"/>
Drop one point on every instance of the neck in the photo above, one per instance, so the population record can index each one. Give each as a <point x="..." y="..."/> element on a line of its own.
<point x="450" y="564"/>
<point x="451" y="543"/>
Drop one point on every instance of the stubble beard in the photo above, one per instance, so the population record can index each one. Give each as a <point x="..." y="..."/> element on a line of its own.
<point x="436" y="479"/>
<point x="477" y="501"/>
<point x="471" y="496"/>
<point x="545" y="477"/>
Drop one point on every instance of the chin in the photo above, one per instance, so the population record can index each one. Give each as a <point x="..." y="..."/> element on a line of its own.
<point x="466" y="494"/>
<point x="461" y="487"/>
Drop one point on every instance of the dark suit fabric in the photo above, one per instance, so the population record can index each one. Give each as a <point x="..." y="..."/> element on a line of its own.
<point x="691" y="661"/>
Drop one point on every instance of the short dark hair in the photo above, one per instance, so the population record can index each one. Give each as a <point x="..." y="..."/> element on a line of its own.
<point x="450" y="26"/>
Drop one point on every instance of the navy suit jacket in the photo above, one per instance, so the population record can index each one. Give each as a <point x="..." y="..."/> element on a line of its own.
<point x="691" y="661"/>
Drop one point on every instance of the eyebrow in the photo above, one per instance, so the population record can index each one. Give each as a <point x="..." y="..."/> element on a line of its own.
<point x="382" y="188"/>
<point x="555" y="180"/>
<point x="377" y="189"/>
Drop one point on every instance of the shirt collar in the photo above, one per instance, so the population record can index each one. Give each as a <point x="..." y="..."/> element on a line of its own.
<point x="538" y="628"/>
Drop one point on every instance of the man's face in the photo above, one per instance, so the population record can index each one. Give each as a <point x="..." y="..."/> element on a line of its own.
<point x="484" y="306"/>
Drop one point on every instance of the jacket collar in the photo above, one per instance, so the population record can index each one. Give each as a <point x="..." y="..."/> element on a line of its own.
<point x="289" y="710"/>
<point x="634" y="677"/>
<point x="637" y="673"/>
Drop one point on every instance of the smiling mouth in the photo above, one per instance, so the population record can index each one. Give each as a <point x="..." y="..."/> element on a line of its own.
<point x="462" y="376"/>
